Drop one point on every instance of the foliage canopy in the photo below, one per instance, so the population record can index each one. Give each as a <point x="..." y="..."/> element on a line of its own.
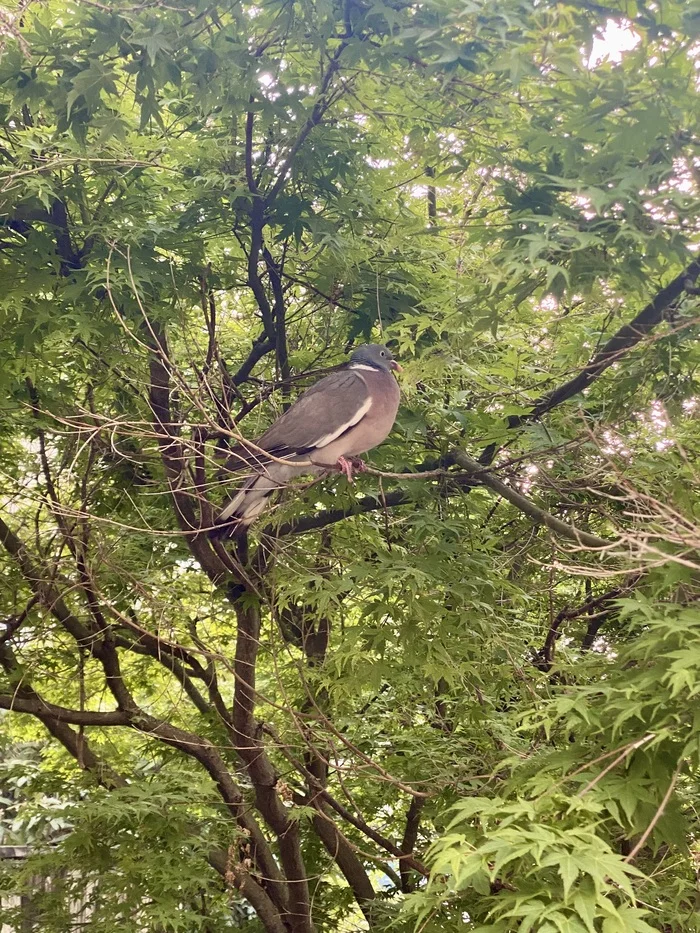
<point x="462" y="693"/>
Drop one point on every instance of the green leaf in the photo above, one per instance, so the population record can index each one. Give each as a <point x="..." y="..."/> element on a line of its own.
<point x="568" y="870"/>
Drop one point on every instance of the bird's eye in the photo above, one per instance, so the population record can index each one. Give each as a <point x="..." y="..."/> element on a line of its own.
<point x="382" y="353"/>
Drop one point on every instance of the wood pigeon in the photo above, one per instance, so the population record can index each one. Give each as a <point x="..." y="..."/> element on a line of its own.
<point x="344" y="414"/>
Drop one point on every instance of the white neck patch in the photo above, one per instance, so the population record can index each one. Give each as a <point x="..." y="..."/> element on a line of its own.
<point x="369" y="369"/>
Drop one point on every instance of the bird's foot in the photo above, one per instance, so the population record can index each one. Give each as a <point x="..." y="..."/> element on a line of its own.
<point x="347" y="465"/>
<point x="358" y="464"/>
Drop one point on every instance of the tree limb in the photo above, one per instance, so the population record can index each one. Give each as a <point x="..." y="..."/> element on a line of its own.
<point x="626" y="337"/>
<point x="545" y="656"/>
<point x="262" y="345"/>
<point x="14" y="623"/>
<point x="306" y="523"/>
<point x="172" y="454"/>
<point x="410" y="836"/>
<point x="340" y="849"/>
<point x="260" y="769"/>
<point x="322" y="104"/>
<point x="533" y="511"/>
<point x="76" y="717"/>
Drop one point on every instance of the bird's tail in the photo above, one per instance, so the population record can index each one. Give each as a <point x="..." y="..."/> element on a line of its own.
<point x="250" y="500"/>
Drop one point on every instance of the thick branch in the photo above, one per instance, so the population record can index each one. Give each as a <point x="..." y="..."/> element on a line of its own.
<point x="314" y="631"/>
<point x="628" y="336"/>
<point x="70" y="259"/>
<point x="77" y="717"/>
<point x="533" y="511"/>
<point x="273" y="270"/>
<point x="172" y="455"/>
<point x="79" y="748"/>
<point x="14" y="623"/>
<point x="44" y="590"/>
<point x="263" y="905"/>
<point x="332" y="516"/>
<point x="410" y="837"/>
<point x="57" y="217"/>
<point x="320" y="107"/>
<point x="257" y="225"/>
<point x="249" y="174"/>
<point x="344" y="855"/>
<point x="595" y="623"/>
<point x="25" y="699"/>
<point x="260" y="769"/>
<point x="261" y="346"/>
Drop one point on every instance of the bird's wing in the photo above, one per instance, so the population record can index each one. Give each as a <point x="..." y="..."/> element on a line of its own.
<point x="323" y="413"/>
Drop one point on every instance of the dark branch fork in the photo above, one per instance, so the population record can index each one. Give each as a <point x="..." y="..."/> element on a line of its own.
<point x="596" y="609"/>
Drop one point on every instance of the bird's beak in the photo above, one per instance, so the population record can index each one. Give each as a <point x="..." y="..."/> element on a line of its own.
<point x="395" y="366"/>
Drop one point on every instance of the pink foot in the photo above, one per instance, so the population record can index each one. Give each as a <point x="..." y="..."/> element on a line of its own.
<point x="346" y="465"/>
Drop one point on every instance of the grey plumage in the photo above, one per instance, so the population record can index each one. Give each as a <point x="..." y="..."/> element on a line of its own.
<point x="343" y="415"/>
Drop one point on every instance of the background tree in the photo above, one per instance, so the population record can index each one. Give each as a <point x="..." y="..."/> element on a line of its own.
<point x="462" y="693"/>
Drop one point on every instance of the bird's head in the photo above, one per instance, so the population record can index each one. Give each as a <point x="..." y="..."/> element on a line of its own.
<point x="375" y="355"/>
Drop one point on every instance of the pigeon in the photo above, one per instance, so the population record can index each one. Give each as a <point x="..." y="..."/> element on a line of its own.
<point x="345" y="414"/>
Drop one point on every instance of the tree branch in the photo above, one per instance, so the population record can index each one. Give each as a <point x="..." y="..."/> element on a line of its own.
<point x="257" y="225"/>
<point x="262" y="345"/>
<point x="44" y="590"/>
<point x="410" y="837"/>
<point x="533" y="511"/>
<point x="130" y="715"/>
<point x="76" y="717"/>
<point x="322" y="104"/>
<point x="626" y="337"/>
<point x="14" y="623"/>
<point x="25" y="699"/>
<point x="55" y="719"/>
<point x="318" y="790"/>
<point x="260" y="769"/>
<point x="172" y="455"/>
<point x="474" y="474"/>
<point x="342" y="852"/>
<point x="273" y="270"/>
<point x="306" y="523"/>
<point x="545" y="656"/>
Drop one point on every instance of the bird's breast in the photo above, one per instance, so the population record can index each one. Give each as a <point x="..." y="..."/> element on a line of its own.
<point x="374" y="426"/>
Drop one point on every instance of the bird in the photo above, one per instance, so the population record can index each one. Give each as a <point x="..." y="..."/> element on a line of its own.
<point x="344" y="414"/>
